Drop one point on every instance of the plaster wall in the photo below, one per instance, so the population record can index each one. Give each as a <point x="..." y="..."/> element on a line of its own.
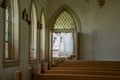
<point x="100" y="28"/>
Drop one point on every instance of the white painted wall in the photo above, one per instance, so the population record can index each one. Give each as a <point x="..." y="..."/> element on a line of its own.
<point x="100" y="28"/>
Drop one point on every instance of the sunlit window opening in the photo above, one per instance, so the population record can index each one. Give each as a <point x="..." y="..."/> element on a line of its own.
<point x="33" y="34"/>
<point x="62" y="44"/>
<point x="6" y="32"/>
<point x="42" y="40"/>
<point x="64" y="22"/>
<point x="11" y="49"/>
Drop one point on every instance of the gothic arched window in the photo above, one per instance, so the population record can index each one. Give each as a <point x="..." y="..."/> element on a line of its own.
<point x="33" y="34"/>
<point x="11" y="30"/>
<point x="42" y="40"/>
<point x="64" y="22"/>
<point x="62" y="36"/>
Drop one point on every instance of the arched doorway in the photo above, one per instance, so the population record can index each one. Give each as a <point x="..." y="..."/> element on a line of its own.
<point x="64" y="30"/>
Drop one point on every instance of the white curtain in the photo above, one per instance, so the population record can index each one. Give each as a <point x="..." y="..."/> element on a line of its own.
<point x="63" y="42"/>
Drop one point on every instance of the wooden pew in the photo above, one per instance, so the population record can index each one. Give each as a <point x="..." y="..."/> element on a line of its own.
<point x="85" y="68"/>
<point x="18" y="75"/>
<point x="85" y="72"/>
<point x="56" y="61"/>
<point x="74" y="77"/>
<point x="44" y="67"/>
<point x="96" y="64"/>
<point x="30" y="73"/>
<point x="39" y="68"/>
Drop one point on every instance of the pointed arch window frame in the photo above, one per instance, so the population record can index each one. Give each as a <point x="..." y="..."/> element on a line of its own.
<point x="64" y="9"/>
<point x="64" y="14"/>
<point x="12" y="35"/>
<point x="42" y="52"/>
<point x="76" y="31"/>
<point x="32" y="30"/>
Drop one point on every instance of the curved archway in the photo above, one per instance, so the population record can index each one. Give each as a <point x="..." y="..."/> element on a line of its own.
<point x="72" y="14"/>
<point x="11" y="33"/>
<point x="42" y="35"/>
<point x="33" y="33"/>
<point x="63" y="17"/>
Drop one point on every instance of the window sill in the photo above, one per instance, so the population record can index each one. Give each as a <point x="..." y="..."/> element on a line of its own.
<point x="32" y="62"/>
<point x="42" y="60"/>
<point x="10" y="63"/>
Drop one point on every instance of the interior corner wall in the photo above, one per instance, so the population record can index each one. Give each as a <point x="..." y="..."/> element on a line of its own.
<point x="100" y="27"/>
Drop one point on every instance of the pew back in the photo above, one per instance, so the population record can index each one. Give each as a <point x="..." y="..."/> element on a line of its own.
<point x="17" y="75"/>
<point x="85" y="72"/>
<point x="96" y="64"/>
<point x="74" y="77"/>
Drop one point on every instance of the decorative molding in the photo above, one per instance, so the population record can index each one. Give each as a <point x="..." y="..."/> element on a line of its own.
<point x="32" y="62"/>
<point x="101" y="3"/>
<point x="10" y="63"/>
<point x="25" y="17"/>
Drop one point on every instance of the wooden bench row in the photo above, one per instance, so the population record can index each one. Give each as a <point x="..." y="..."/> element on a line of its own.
<point x="56" y="61"/>
<point x="73" y="77"/>
<point x="85" y="68"/>
<point x="96" y="64"/>
<point x="85" y="72"/>
<point x="82" y="70"/>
